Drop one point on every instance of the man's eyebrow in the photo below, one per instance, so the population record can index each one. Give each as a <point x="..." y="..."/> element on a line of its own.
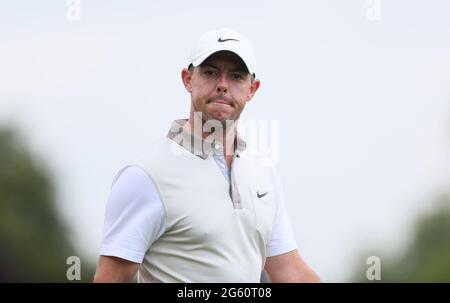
<point x="239" y="69"/>
<point x="203" y="65"/>
<point x="236" y="69"/>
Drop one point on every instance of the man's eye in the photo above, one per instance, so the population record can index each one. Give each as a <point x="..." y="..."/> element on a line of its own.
<point x="237" y="76"/>
<point x="210" y="72"/>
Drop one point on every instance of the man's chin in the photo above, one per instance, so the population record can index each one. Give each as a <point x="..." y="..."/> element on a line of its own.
<point x="222" y="118"/>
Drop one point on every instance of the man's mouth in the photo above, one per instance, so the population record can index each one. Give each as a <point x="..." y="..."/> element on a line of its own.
<point x="220" y="101"/>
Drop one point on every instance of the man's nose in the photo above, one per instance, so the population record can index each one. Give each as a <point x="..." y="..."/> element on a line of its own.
<point x="222" y="85"/>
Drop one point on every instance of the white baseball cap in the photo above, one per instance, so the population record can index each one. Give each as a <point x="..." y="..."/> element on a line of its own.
<point x="223" y="40"/>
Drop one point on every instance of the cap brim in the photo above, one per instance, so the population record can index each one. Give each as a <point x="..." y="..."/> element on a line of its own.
<point x="203" y="57"/>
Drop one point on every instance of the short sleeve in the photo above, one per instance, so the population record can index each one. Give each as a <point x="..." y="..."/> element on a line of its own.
<point x="282" y="240"/>
<point x="134" y="216"/>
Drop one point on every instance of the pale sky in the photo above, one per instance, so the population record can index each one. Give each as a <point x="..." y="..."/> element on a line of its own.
<point x="363" y="105"/>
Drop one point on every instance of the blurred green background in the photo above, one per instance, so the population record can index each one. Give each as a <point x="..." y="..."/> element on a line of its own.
<point x="34" y="241"/>
<point x="425" y="259"/>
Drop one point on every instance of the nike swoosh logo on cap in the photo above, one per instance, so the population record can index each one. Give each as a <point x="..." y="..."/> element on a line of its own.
<point x="224" y="40"/>
<point x="261" y="195"/>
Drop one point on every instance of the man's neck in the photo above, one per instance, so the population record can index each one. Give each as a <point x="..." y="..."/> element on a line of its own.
<point x="226" y="135"/>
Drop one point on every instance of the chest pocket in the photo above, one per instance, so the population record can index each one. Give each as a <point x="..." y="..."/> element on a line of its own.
<point x="264" y="205"/>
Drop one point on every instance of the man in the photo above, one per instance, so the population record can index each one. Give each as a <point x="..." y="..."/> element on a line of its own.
<point x="201" y="207"/>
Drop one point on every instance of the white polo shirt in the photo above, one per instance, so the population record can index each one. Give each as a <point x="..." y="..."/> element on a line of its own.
<point x="135" y="216"/>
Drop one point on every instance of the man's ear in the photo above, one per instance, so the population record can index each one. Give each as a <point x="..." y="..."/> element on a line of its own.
<point x="186" y="76"/>
<point x="253" y="88"/>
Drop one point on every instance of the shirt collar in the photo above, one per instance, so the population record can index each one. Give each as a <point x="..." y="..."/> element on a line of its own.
<point x="180" y="133"/>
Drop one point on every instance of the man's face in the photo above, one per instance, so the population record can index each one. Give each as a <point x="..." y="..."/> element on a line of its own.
<point x="220" y="87"/>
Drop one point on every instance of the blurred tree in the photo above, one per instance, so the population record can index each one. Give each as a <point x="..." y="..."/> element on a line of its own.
<point x="34" y="242"/>
<point x="427" y="259"/>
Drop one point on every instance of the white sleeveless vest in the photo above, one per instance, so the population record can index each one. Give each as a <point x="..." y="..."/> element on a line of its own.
<point x="209" y="237"/>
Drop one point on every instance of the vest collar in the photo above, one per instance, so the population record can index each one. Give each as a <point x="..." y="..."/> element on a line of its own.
<point x="180" y="133"/>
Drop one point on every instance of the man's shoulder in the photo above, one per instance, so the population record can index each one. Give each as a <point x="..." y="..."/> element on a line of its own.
<point x="160" y="155"/>
<point x="259" y="158"/>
